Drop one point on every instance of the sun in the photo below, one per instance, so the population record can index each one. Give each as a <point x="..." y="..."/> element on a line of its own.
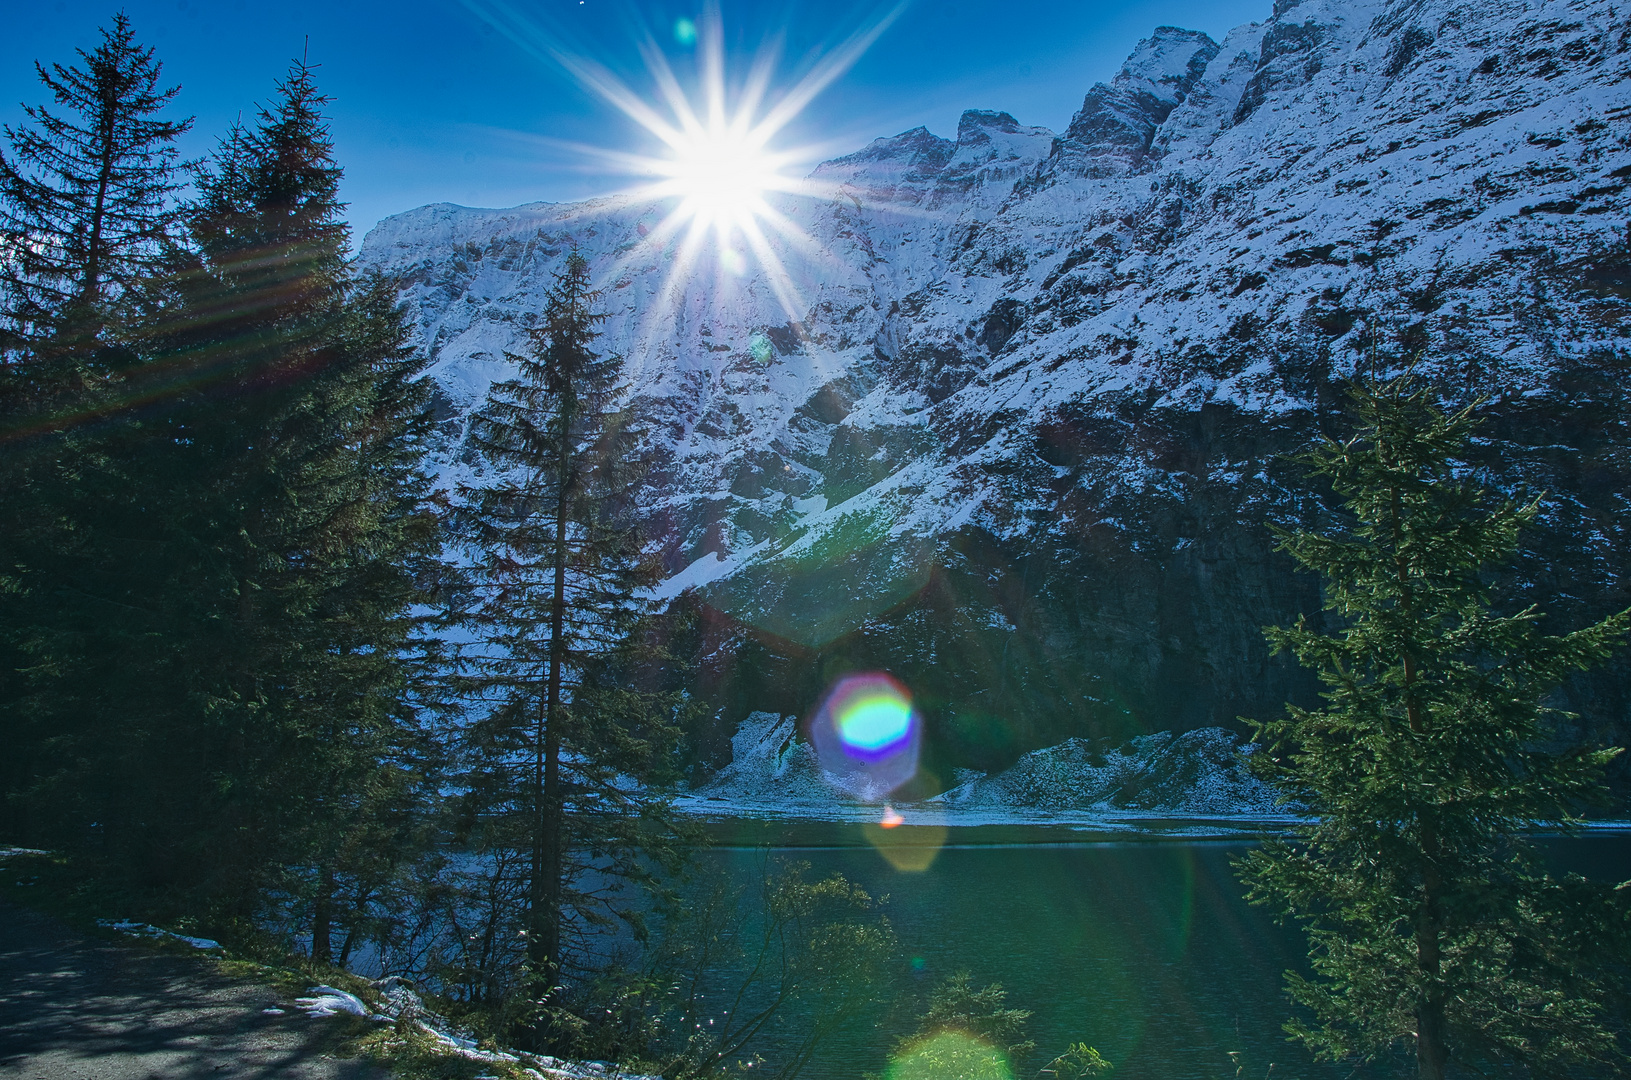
<point x="715" y="159"/>
<point x="720" y="174"/>
<point x="718" y="159"/>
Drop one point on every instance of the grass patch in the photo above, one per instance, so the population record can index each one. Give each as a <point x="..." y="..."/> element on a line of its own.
<point x="412" y="1054"/>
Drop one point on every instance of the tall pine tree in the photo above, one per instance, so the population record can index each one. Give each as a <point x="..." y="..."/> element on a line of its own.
<point x="569" y="735"/>
<point x="296" y="459"/>
<point x="88" y="216"/>
<point x="1432" y="923"/>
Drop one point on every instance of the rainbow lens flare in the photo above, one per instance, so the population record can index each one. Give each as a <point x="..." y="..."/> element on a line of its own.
<point x="873" y="720"/>
<point x="911" y="849"/>
<point x="867" y="735"/>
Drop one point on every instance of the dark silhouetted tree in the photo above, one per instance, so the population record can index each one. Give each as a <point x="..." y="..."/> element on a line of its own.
<point x="235" y="692"/>
<point x="87" y="212"/>
<point x="88" y="216"/>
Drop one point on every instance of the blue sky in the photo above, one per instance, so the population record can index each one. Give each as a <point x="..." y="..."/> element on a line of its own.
<point x="458" y="101"/>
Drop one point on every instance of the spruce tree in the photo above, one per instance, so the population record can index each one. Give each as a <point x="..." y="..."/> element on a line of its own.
<point x="86" y="196"/>
<point x="302" y="467"/>
<point x="88" y="214"/>
<point x="1432" y="924"/>
<point x="569" y="732"/>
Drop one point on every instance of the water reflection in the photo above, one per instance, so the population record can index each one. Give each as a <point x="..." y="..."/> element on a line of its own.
<point x="1146" y="951"/>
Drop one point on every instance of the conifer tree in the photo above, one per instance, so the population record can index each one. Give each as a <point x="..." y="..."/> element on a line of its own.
<point x="88" y="213"/>
<point x="569" y="732"/>
<point x="300" y="464"/>
<point x="1432" y="924"/>
<point x="86" y="196"/>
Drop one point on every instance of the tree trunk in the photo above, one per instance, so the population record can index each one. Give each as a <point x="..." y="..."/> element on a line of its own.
<point x="544" y="938"/>
<point x="1431" y="1053"/>
<point x="93" y="256"/>
<point x="322" y="917"/>
<point x="1432" y="1048"/>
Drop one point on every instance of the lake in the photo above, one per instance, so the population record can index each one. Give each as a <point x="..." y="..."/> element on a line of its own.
<point x="1142" y="947"/>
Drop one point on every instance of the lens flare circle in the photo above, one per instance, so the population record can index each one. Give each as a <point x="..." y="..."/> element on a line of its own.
<point x="910" y="849"/>
<point x="949" y="1055"/>
<point x="867" y="735"/>
<point x="874" y="716"/>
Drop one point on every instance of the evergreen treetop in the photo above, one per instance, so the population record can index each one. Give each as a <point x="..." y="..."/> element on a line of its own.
<point x="86" y="195"/>
<point x="269" y="208"/>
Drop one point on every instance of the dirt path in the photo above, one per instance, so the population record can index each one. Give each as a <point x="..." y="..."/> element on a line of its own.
<point x="77" y="1009"/>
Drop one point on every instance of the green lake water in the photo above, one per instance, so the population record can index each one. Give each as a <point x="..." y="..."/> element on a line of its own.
<point x="1144" y="948"/>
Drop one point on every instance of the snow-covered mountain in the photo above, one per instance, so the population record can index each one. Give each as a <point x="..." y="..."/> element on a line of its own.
<point x="1012" y="432"/>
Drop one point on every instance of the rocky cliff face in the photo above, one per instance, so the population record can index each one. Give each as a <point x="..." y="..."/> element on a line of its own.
<point x="1012" y="430"/>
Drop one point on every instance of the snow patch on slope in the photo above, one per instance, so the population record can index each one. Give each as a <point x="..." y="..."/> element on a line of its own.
<point x="770" y="763"/>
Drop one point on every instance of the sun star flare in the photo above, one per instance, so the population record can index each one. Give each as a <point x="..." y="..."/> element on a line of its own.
<point x="719" y="157"/>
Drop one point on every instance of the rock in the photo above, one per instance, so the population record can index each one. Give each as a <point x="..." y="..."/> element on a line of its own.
<point x="1121" y="119"/>
<point x="773" y="771"/>
<point x="1197" y="772"/>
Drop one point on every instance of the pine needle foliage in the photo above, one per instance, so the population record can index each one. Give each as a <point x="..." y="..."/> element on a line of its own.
<point x="1433" y="927"/>
<point x="563" y="762"/>
<point x="292" y="449"/>
<point x="86" y="206"/>
<point x="88" y="217"/>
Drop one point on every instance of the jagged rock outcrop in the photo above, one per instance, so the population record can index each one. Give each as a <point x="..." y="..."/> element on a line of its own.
<point x="1201" y="772"/>
<point x="769" y="763"/>
<point x="1197" y="772"/>
<point x="1120" y="121"/>
<point x="1011" y="424"/>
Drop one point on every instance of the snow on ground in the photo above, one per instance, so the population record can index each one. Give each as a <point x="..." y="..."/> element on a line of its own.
<point x="141" y="929"/>
<point x="399" y="1004"/>
<point x="329" y="1001"/>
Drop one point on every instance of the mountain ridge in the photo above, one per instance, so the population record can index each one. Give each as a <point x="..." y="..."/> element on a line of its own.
<point x="1016" y="427"/>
